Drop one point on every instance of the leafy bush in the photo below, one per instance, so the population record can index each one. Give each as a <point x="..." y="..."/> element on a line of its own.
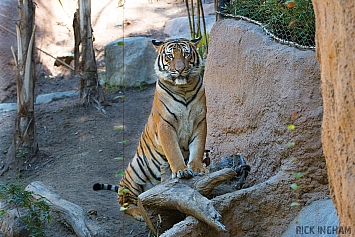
<point x="36" y="211"/>
<point x="292" y="20"/>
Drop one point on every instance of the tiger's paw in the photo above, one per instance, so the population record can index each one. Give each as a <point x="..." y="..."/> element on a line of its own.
<point x="135" y="212"/>
<point x="187" y="173"/>
<point x="198" y="170"/>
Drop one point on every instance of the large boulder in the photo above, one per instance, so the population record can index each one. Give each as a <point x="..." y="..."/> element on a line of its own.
<point x="317" y="219"/>
<point x="179" y="27"/>
<point x="130" y="62"/>
<point x="255" y="89"/>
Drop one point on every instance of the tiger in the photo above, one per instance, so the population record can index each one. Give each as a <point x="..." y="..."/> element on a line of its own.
<point x="176" y="128"/>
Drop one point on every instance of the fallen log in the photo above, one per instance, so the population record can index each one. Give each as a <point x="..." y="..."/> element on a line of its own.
<point x="160" y="206"/>
<point x="71" y="213"/>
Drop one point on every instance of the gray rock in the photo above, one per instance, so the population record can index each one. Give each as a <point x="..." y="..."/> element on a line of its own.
<point x="5" y="107"/>
<point x="209" y="9"/>
<point x="179" y="27"/>
<point x="318" y="219"/>
<point x="138" y="67"/>
<point x="47" y="98"/>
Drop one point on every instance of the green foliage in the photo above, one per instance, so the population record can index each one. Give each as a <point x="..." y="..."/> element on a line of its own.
<point x="123" y="143"/>
<point x="119" y="173"/>
<point x="141" y="86"/>
<point x="195" y="12"/>
<point x="203" y="51"/>
<point x="123" y="191"/>
<point x="294" y="159"/>
<point x="119" y="97"/>
<point x="36" y="211"/>
<point x="123" y="208"/>
<point x="118" y="128"/>
<point x="22" y="153"/>
<point x="291" y="20"/>
<point x="109" y="88"/>
<point x="298" y="175"/>
<point x="294" y="186"/>
<point x="291" y="127"/>
<point x="295" y="204"/>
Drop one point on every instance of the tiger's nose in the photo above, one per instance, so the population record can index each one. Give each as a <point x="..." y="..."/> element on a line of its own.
<point x="179" y="65"/>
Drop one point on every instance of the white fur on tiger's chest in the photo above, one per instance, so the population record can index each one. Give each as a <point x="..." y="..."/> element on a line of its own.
<point x="189" y="118"/>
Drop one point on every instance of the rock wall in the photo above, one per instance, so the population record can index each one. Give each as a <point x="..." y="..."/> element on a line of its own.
<point x="255" y="88"/>
<point x="336" y="53"/>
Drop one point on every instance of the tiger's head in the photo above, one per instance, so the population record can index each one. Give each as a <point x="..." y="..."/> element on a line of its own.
<point x="178" y="60"/>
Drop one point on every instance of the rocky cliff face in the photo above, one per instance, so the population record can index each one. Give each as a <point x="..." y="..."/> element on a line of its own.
<point x="256" y="88"/>
<point x="336" y="54"/>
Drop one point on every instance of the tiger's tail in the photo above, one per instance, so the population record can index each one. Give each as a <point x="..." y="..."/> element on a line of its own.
<point x="110" y="187"/>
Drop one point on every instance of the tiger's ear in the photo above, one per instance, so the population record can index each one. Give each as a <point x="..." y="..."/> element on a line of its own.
<point x="157" y="44"/>
<point x="196" y="41"/>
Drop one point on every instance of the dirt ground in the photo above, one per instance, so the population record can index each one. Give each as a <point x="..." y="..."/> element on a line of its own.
<point x="77" y="145"/>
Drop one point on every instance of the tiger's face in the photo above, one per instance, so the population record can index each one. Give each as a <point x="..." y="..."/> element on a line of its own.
<point x="178" y="60"/>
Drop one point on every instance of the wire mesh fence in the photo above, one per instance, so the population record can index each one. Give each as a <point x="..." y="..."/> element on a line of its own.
<point x="290" y="22"/>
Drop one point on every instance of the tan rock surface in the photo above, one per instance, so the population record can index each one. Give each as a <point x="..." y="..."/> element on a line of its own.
<point x="336" y="54"/>
<point x="255" y="88"/>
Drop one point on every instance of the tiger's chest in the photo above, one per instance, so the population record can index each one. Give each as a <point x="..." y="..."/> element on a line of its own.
<point x="188" y="119"/>
<point x="182" y="114"/>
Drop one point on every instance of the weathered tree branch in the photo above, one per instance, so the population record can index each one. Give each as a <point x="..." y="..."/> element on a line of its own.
<point x="184" y="196"/>
<point x="72" y="214"/>
<point x="207" y="183"/>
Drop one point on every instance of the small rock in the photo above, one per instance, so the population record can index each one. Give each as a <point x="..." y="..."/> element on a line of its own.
<point x="47" y="98"/>
<point x="5" y="107"/>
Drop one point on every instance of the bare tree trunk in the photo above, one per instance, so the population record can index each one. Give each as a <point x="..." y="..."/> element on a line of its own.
<point x="77" y="41"/>
<point x="90" y="89"/>
<point x="25" y="130"/>
<point x="24" y="144"/>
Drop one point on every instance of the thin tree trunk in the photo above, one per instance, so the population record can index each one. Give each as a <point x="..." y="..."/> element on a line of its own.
<point x="204" y="25"/>
<point x="77" y="41"/>
<point x="24" y="144"/>
<point x="90" y="89"/>
<point x="193" y="19"/>
<point x="25" y="133"/>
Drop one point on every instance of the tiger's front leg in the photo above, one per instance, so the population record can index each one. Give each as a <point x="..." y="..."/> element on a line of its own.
<point x="197" y="148"/>
<point x="170" y="143"/>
